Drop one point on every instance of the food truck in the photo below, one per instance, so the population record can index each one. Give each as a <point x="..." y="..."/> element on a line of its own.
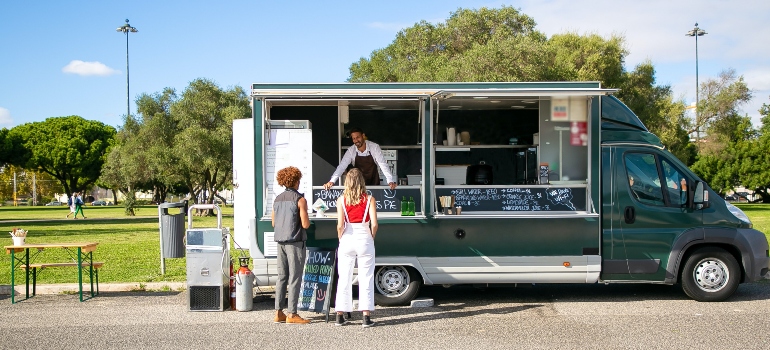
<point x="548" y="182"/>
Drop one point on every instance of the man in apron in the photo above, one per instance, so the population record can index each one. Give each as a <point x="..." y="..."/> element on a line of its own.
<point x="366" y="156"/>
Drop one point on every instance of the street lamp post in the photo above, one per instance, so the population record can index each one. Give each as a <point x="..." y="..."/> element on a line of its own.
<point x="126" y="28"/>
<point x="696" y="32"/>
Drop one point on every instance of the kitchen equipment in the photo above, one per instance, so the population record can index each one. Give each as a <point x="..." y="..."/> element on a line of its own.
<point x="465" y="137"/>
<point x="451" y="137"/>
<point x="402" y="181"/>
<point x="479" y="174"/>
<point x="452" y="174"/>
<point x="208" y="264"/>
<point x="414" y="180"/>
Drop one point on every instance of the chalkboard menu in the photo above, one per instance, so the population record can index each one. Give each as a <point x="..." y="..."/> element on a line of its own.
<point x="517" y="198"/>
<point x="387" y="200"/>
<point x="317" y="280"/>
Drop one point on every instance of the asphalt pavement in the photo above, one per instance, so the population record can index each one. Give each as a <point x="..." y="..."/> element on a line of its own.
<point x="463" y="317"/>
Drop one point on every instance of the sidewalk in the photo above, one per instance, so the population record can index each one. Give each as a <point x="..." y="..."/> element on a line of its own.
<point x="5" y="289"/>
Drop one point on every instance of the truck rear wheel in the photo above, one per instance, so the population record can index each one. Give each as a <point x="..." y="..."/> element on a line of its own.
<point x="710" y="274"/>
<point x="396" y="285"/>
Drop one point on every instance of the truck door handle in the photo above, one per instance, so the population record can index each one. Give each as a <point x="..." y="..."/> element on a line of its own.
<point x="629" y="214"/>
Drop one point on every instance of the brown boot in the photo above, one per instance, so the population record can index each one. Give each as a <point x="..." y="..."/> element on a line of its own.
<point x="295" y="319"/>
<point x="280" y="317"/>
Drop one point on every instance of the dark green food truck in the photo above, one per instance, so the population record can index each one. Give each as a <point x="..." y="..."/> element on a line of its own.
<point x="550" y="182"/>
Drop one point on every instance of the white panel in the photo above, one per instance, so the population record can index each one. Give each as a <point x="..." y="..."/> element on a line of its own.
<point x="463" y="270"/>
<point x="507" y="269"/>
<point x="243" y="182"/>
<point x="288" y="147"/>
<point x="271" y="247"/>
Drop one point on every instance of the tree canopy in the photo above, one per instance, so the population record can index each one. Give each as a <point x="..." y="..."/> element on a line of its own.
<point x="71" y="149"/>
<point x="491" y="45"/>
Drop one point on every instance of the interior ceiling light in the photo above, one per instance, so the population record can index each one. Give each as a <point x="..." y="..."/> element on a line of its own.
<point x="529" y="101"/>
<point x="378" y="107"/>
<point x="494" y="101"/>
<point x="517" y="107"/>
<point x="479" y="97"/>
<point x="455" y="107"/>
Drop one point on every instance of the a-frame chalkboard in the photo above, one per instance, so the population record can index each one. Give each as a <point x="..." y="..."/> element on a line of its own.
<point x="317" y="280"/>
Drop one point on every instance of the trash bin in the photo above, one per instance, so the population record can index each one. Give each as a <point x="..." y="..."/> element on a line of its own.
<point x="172" y="229"/>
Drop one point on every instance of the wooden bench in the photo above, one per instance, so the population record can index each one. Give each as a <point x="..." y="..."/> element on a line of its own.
<point x="42" y="266"/>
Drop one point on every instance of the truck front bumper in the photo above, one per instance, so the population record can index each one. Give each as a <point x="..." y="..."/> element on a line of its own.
<point x="757" y="262"/>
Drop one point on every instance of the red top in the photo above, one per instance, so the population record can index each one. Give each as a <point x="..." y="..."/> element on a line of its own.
<point x="356" y="212"/>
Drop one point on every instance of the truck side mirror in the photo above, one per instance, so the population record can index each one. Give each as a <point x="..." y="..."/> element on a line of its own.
<point x="701" y="196"/>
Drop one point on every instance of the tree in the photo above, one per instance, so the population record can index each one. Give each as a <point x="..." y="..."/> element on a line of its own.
<point x="5" y="146"/>
<point x="464" y="48"/>
<point x="740" y="160"/>
<point x="71" y="149"/>
<point x="157" y="133"/>
<point x="126" y="166"/>
<point x="491" y="45"/>
<point x="754" y="168"/>
<point x="718" y="108"/>
<point x="203" y="146"/>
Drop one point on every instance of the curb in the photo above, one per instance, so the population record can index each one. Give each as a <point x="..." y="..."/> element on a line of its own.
<point x="103" y="287"/>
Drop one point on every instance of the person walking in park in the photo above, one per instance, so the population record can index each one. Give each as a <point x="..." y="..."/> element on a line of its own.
<point x="290" y="220"/>
<point x="356" y="229"/>
<point x="71" y="204"/>
<point x="78" y="201"/>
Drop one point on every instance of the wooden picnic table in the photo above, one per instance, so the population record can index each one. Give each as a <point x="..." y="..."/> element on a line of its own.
<point x="82" y="258"/>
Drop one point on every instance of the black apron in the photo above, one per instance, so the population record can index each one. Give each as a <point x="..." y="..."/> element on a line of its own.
<point x="368" y="168"/>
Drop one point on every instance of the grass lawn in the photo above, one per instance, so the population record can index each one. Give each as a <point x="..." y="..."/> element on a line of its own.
<point x="129" y="246"/>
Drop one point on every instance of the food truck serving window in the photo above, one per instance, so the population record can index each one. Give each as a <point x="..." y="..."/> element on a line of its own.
<point x="498" y="153"/>
<point x="395" y="124"/>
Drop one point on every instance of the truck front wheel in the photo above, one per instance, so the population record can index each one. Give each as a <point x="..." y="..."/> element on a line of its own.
<point x="710" y="274"/>
<point x="395" y="285"/>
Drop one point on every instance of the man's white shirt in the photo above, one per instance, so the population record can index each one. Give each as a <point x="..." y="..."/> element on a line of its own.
<point x="350" y="158"/>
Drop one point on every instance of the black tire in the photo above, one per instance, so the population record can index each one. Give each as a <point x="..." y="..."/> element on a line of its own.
<point x="395" y="285"/>
<point x="710" y="274"/>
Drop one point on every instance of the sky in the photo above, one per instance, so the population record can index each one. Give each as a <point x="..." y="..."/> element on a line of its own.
<point x="60" y="58"/>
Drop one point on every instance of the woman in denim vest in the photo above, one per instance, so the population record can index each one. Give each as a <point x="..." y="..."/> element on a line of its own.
<point x="290" y="221"/>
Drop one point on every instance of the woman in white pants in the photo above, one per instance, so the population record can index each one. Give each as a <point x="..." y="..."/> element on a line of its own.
<point x="356" y="228"/>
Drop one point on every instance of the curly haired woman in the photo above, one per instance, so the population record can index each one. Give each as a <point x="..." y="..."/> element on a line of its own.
<point x="290" y="221"/>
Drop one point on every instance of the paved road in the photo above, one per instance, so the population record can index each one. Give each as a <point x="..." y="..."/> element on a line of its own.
<point x="533" y="317"/>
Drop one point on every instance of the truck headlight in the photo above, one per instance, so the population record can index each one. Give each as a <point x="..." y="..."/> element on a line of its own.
<point x="738" y="213"/>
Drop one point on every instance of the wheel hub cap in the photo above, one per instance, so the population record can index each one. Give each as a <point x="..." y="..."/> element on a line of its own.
<point x="392" y="281"/>
<point x="711" y="275"/>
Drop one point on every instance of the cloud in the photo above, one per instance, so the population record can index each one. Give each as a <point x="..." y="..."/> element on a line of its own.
<point x="89" y="68"/>
<point x="5" y="117"/>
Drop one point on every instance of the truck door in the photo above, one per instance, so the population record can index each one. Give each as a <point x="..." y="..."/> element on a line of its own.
<point x="651" y="193"/>
<point x="614" y="264"/>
